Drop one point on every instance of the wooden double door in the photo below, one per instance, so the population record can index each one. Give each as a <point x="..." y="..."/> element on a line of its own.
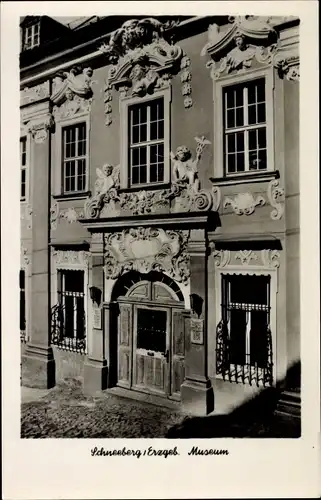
<point x="151" y="341"/>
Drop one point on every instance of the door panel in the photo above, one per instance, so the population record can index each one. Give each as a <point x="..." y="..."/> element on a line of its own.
<point x="151" y="343"/>
<point x="178" y="354"/>
<point x="124" y="346"/>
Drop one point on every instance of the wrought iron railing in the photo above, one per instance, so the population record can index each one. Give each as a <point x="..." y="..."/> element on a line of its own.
<point x="247" y="372"/>
<point x="66" y="334"/>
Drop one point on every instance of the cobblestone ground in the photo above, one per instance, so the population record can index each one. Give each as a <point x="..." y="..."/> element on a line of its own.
<point x="66" y="412"/>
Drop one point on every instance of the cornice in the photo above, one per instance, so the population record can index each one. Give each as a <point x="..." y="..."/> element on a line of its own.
<point x="187" y="220"/>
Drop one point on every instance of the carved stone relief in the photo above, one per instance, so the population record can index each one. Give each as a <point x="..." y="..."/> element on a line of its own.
<point x="143" y="202"/>
<point x="38" y="127"/>
<point x="186" y="77"/>
<point x="142" y="59"/>
<point x="197" y="330"/>
<point x="276" y="199"/>
<point x="70" y="214"/>
<point x="146" y="249"/>
<point x="249" y="38"/>
<point x="33" y="94"/>
<point x="245" y="256"/>
<point x="244" y="203"/>
<point x="70" y="258"/>
<point x="72" y="92"/>
<point x="221" y="257"/>
<point x="270" y="258"/>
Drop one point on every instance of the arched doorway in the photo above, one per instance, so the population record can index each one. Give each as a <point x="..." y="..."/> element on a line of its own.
<point x="150" y="334"/>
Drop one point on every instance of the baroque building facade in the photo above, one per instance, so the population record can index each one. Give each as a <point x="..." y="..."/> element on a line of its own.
<point x="160" y="206"/>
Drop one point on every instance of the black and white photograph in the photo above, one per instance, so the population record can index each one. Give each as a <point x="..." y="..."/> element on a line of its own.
<point x="160" y="278"/>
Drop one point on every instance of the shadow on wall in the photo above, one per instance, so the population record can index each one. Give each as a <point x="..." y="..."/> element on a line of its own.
<point x="255" y="418"/>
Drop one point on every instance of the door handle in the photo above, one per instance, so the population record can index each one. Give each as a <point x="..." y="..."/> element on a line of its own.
<point x="166" y="355"/>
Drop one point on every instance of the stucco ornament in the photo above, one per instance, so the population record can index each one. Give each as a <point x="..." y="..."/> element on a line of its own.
<point x="71" y="215"/>
<point x="146" y="249"/>
<point x="70" y="259"/>
<point x="244" y="203"/>
<point x="287" y="64"/>
<point x="221" y="257"/>
<point x="270" y="258"/>
<point x="39" y="126"/>
<point x="141" y="56"/>
<point x="248" y="38"/>
<point x="245" y="256"/>
<point x="33" y="94"/>
<point x="143" y="202"/>
<point x="25" y="258"/>
<point x="186" y="77"/>
<point x="106" y="191"/>
<point x="276" y="199"/>
<point x="54" y="216"/>
<point x="72" y="92"/>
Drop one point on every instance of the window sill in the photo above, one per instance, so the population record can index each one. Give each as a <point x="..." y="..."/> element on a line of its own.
<point x="245" y="178"/>
<point x="146" y="187"/>
<point x="72" y="196"/>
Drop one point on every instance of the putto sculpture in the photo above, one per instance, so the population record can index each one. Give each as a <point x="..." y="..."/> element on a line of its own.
<point x="106" y="190"/>
<point x="76" y="82"/>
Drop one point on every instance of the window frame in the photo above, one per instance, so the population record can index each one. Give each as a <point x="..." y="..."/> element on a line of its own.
<point x="32" y="37"/>
<point x="58" y="158"/>
<point x="25" y="135"/>
<point x="75" y="159"/>
<point x="219" y="128"/>
<point x="124" y="104"/>
<point x="250" y="270"/>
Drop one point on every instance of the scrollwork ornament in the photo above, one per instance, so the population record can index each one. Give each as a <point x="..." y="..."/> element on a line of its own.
<point x="270" y="258"/>
<point x="275" y="194"/>
<point x="222" y="257"/>
<point x="244" y="203"/>
<point x="216" y="193"/>
<point x="54" y="216"/>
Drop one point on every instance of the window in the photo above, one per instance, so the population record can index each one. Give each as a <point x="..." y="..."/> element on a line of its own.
<point x="151" y="330"/>
<point x="74" y="147"/>
<point x="244" y="345"/>
<point x="245" y="127"/>
<point x="23" y="168"/>
<point x="146" y="142"/>
<point x="22" y="280"/>
<point x="32" y="36"/>
<point x="68" y="316"/>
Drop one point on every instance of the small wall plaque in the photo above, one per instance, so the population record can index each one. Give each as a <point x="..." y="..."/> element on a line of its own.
<point x="197" y="328"/>
<point x="97" y="318"/>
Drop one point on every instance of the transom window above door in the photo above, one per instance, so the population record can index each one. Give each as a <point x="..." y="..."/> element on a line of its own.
<point x="245" y="127"/>
<point x="146" y="142"/>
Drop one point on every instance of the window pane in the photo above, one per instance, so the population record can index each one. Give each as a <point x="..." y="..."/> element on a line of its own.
<point x="154" y="154"/>
<point x="252" y="139"/>
<point x="135" y="134"/>
<point x="135" y="116"/>
<point x="262" y="137"/>
<point x="251" y="94"/>
<point x="80" y="318"/>
<point x="153" y="173"/>
<point x="135" y="175"/>
<point x="261" y="113"/>
<point x="142" y="174"/>
<point x="262" y="159"/>
<point x="260" y="89"/>
<point x="23" y="183"/>
<point x="253" y="160"/>
<point x="143" y="113"/>
<point x="160" y="172"/>
<point x="231" y="163"/>
<point x="239" y="96"/>
<point x="135" y="156"/>
<point x="151" y="330"/>
<point x="230" y="103"/>
<point x="161" y="129"/>
<point x="154" y="130"/>
<point x="74" y="281"/>
<point x="249" y="289"/>
<point x="143" y="155"/>
<point x="143" y="133"/>
<point x="239" y="117"/>
<point x="240" y="141"/>
<point x="237" y="336"/>
<point x="230" y="118"/>
<point x="72" y="184"/>
<point x="252" y="114"/>
<point x="231" y="143"/>
<point x="154" y="108"/>
<point x="69" y="317"/>
<point x="240" y="162"/>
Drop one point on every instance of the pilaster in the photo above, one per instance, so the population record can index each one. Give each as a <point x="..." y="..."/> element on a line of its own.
<point x="95" y="367"/>
<point x="196" y="391"/>
<point x="38" y="365"/>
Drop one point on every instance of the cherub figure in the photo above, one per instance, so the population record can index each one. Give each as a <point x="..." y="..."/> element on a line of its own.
<point x="107" y="178"/>
<point x="184" y="168"/>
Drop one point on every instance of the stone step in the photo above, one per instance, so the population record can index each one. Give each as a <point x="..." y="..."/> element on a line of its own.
<point x="289" y="404"/>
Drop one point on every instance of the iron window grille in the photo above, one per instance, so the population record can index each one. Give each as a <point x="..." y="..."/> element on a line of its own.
<point x="23" y="168"/>
<point x="146" y="143"/>
<point x="245" y="127"/>
<point x="74" y="168"/>
<point x="68" y="318"/>
<point x="22" y="286"/>
<point x="243" y="335"/>
<point x="32" y="36"/>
